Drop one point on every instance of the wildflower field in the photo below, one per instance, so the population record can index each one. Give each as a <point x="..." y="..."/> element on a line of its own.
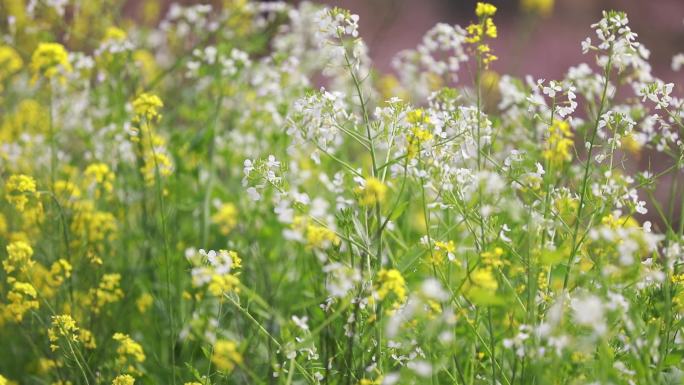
<point x="233" y="194"/>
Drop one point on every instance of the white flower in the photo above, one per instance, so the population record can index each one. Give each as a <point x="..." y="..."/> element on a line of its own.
<point x="677" y="62"/>
<point x="589" y="311"/>
<point x="432" y="289"/>
<point x="248" y="167"/>
<point x="253" y="194"/>
<point x="421" y="368"/>
<point x="301" y="323"/>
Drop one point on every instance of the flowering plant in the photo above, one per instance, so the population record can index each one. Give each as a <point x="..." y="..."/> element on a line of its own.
<point x="183" y="203"/>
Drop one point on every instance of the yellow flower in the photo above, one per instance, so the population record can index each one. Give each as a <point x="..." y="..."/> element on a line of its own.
<point x="417" y="116"/>
<point x="99" y="174"/>
<point x="485" y="28"/>
<point x="59" y="272"/>
<point x="19" y="255"/>
<point x="484" y="279"/>
<point x="391" y="281"/>
<point x="490" y="29"/>
<point x="114" y="33"/>
<point x="475" y="33"/>
<point x="62" y="326"/>
<point x="484" y="9"/>
<point x="10" y="62"/>
<point x="226" y="218"/>
<point x="144" y="302"/>
<point x="29" y="117"/>
<point x="145" y="63"/>
<point x="373" y="192"/>
<point x="366" y="381"/>
<point x="150" y="11"/>
<point x="493" y="258"/>
<point x="541" y="7"/>
<point x="147" y="106"/>
<point x="108" y="291"/>
<point x="3" y="226"/>
<point x="66" y="190"/>
<point x="22" y="298"/>
<point x="18" y="189"/>
<point x="49" y="59"/>
<point x="235" y="259"/>
<point x="442" y="249"/>
<point x="86" y="337"/>
<point x="226" y="355"/>
<point x="419" y="134"/>
<point x="559" y="143"/>
<point x="566" y="206"/>
<point x="123" y="379"/>
<point x="3" y="380"/>
<point x="128" y="352"/>
<point x="629" y="143"/>
<point x="389" y="86"/>
<point x="320" y="237"/>
<point x="93" y="225"/>
<point x="220" y="284"/>
<point x="619" y="222"/>
<point x="156" y="161"/>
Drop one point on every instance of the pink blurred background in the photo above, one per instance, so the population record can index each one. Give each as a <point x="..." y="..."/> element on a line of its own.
<point x="528" y="43"/>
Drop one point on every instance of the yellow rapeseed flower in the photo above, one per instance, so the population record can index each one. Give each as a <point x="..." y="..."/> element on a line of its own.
<point x="10" y="62"/>
<point x="225" y="355"/>
<point x="484" y="278"/>
<point x="484" y="9"/>
<point x="226" y="218"/>
<point x="559" y="143"/>
<point x="223" y="283"/>
<point x="22" y="298"/>
<point x="366" y="381"/>
<point x="59" y="272"/>
<point x="123" y="379"/>
<point x="49" y="59"/>
<point x="156" y="161"/>
<point x="19" y="255"/>
<point x="492" y="258"/>
<point x="18" y="189"/>
<point x="28" y="117"/>
<point x="630" y="144"/>
<point x="485" y="28"/>
<point x="320" y="237"/>
<point x="391" y="281"/>
<point x="144" y="302"/>
<point x="62" y="326"/>
<point x="129" y="352"/>
<point x="99" y="174"/>
<point x="147" y="106"/>
<point x="114" y="33"/>
<point x="108" y="291"/>
<point x="540" y="7"/>
<point x="417" y="116"/>
<point x="86" y="337"/>
<point x="373" y="192"/>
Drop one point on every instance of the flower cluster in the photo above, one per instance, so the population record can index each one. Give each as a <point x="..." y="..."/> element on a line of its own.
<point x="232" y="193"/>
<point x="50" y="60"/>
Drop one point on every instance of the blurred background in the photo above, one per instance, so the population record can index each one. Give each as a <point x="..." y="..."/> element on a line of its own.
<point x="536" y="37"/>
<point x="540" y="37"/>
